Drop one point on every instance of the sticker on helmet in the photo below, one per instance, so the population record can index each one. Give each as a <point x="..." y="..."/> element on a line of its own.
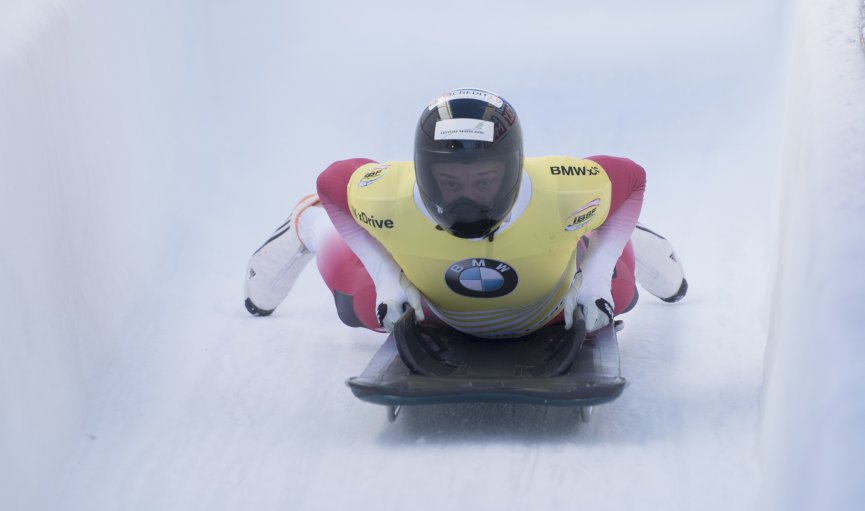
<point x="464" y="129"/>
<point x="481" y="278"/>
<point x="482" y="95"/>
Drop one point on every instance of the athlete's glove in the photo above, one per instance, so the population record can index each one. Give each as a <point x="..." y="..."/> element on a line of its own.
<point x="596" y="310"/>
<point x="392" y="301"/>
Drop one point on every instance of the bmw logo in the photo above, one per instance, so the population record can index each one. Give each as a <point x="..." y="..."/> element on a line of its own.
<point x="481" y="278"/>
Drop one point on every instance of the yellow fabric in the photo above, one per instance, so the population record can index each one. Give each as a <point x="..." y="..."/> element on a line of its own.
<point x="529" y="265"/>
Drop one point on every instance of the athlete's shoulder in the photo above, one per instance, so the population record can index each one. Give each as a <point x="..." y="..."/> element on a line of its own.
<point x="381" y="200"/>
<point x="376" y="180"/>
<point x="565" y="173"/>
<point x="624" y="173"/>
<point x="378" y="192"/>
<point x="577" y="188"/>
<point x="614" y="162"/>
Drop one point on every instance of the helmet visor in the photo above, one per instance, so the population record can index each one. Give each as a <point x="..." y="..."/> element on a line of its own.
<point x="469" y="197"/>
<point x="478" y="182"/>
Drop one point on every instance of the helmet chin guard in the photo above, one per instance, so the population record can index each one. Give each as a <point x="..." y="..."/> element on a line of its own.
<point x="468" y="161"/>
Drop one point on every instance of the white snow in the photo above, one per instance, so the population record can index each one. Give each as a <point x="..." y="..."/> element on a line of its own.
<point x="146" y="148"/>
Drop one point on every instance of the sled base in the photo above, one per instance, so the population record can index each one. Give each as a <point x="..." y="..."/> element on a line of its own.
<point x="492" y="371"/>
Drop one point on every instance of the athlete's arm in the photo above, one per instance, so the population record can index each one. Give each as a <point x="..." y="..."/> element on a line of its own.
<point x="607" y="241"/>
<point x="384" y="271"/>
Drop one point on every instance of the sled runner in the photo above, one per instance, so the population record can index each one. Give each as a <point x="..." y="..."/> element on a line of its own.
<point x="422" y="364"/>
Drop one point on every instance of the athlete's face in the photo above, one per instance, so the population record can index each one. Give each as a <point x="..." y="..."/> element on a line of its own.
<point x="478" y="181"/>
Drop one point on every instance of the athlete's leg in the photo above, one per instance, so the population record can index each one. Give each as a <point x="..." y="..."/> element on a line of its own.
<point x="624" y="287"/>
<point x="276" y="265"/>
<point x="658" y="270"/>
<point x="352" y="287"/>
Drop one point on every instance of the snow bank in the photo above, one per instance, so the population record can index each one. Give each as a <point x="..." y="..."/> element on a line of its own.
<point x="813" y="410"/>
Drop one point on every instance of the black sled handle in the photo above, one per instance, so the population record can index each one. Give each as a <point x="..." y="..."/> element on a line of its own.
<point x="426" y="355"/>
<point x="411" y="347"/>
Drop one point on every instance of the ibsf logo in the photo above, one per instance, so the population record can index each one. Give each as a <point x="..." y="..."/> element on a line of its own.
<point x="581" y="217"/>
<point x="373" y="175"/>
<point x="481" y="278"/>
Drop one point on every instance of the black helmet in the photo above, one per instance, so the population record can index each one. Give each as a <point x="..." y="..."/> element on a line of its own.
<point x="468" y="160"/>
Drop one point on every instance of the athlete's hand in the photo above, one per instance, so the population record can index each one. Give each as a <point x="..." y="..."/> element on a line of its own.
<point x="391" y="305"/>
<point x="597" y="311"/>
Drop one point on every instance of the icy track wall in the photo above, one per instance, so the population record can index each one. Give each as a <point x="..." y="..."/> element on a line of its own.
<point x="813" y="406"/>
<point x="90" y="202"/>
<point x="862" y="27"/>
